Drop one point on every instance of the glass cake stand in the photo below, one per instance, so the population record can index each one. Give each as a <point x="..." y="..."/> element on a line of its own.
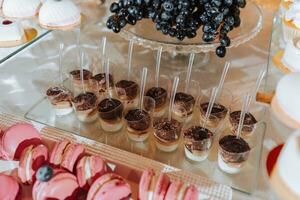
<point x="144" y="33"/>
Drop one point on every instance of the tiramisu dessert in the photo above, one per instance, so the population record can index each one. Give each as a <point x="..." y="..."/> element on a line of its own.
<point x="60" y="99"/>
<point x="77" y="83"/>
<point x="233" y="153"/>
<point x="197" y="143"/>
<point x="85" y="105"/>
<point x="218" y="113"/>
<point x="160" y="96"/>
<point x="99" y="84"/>
<point x="167" y="134"/>
<point x="110" y="113"/>
<point x="138" y="124"/>
<point x="127" y="91"/>
<point x="183" y="107"/>
<point x="249" y="124"/>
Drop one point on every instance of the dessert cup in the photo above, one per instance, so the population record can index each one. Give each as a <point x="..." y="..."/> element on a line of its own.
<point x="233" y="154"/>
<point x="167" y="134"/>
<point x="85" y="105"/>
<point x="197" y="143"/>
<point x="160" y="95"/>
<point x="127" y="91"/>
<point x="219" y="110"/>
<point x="99" y="84"/>
<point x="60" y="99"/>
<point x="77" y="83"/>
<point x="139" y="121"/>
<point x="110" y="112"/>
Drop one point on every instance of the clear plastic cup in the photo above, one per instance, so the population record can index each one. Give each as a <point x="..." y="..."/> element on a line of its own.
<point x="160" y="94"/>
<point x="127" y="91"/>
<point x="139" y="121"/>
<point x="60" y="99"/>
<point x="219" y="110"/>
<point x="99" y="85"/>
<point x="110" y="114"/>
<point x="197" y="143"/>
<point x="85" y="106"/>
<point x="79" y="85"/>
<point x="231" y="156"/>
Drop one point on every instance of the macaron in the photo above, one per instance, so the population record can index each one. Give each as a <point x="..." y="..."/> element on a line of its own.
<point x="66" y="154"/>
<point x="180" y="191"/>
<point x="16" y="138"/>
<point x="89" y="168"/>
<point x="32" y="158"/>
<point x="161" y="187"/>
<point x="54" y="184"/>
<point x="108" y="187"/>
<point x="147" y="185"/>
<point x="191" y="193"/>
<point x="174" y="190"/>
<point x="10" y="188"/>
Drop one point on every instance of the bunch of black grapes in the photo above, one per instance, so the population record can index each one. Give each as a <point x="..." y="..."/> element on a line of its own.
<point x="182" y="18"/>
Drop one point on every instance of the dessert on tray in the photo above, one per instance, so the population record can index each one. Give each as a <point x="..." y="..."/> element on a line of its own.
<point x="90" y="168"/>
<point x="60" y="99"/>
<point x="138" y="123"/>
<point x="31" y="159"/>
<point x="291" y="22"/>
<point x="160" y="95"/>
<point x="285" y="104"/>
<point x="59" y="14"/>
<point x="85" y="105"/>
<point x="249" y="124"/>
<point x="100" y="84"/>
<point x="12" y="143"/>
<point x="20" y="8"/>
<point x="233" y="153"/>
<point x="285" y="177"/>
<point x="197" y="143"/>
<point x="54" y="184"/>
<point x="183" y="107"/>
<point x="127" y="92"/>
<point x="66" y="154"/>
<point x="77" y="83"/>
<point x="10" y="188"/>
<point x="110" y="112"/>
<point x="11" y="33"/>
<point x="108" y="187"/>
<point x="167" y="134"/>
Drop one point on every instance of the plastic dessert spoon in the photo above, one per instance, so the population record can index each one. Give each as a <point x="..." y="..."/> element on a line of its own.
<point x="223" y="77"/>
<point x="143" y="85"/>
<point x="103" y="50"/>
<point x="189" y="72"/>
<point x="157" y="67"/>
<point x="61" y="49"/>
<point x="81" y="69"/>
<point x="243" y="113"/>
<point x="107" y="77"/>
<point x="172" y="99"/>
<point x="210" y="106"/>
<point x="130" y="51"/>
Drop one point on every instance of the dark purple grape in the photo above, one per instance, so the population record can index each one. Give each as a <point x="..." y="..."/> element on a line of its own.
<point x="221" y="51"/>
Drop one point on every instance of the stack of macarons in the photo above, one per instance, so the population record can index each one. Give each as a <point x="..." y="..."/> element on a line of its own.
<point x="153" y="187"/>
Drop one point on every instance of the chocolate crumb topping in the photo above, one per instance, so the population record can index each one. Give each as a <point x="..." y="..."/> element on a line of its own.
<point x="110" y="109"/>
<point x="127" y="88"/>
<point x="232" y="144"/>
<point x="197" y="133"/>
<point x="218" y="110"/>
<point x="138" y="119"/>
<point x="86" y="74"/>
<point x="249" y="118"/>
<point x="101" y="80"/>
<point x="168" y="130"/>
<point x="58" y="94"/>
<point x="159" y="94"/>
<point x="185" y="100"/>
<point x="85" y="101"/>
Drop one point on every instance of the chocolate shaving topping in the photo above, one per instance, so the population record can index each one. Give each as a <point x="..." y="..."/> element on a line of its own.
<point x="85" y="101"/>
<point x="232" y="144"/>
<point x="110" y="109"/>
<point x="138" y="119"/>
<point x="101" y="80"/>
<point x="159" y="95"/>
<point x="127" y="88"/>
<point x="218" y="110"/>
<point x="168" y="130"/>
<point x="249" y="118"/>
<point x="197" y="133"/>
<point x="86" y="74"/>
<point x="185" y="100"/>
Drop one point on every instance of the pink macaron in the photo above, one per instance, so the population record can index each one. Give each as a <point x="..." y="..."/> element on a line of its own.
<point x="191" y="193"/>
<point x="147" y="185"/>
<point x="32" y="158"/>
<point x="16" y="138"/>
<point x="66" y="154"/>
<point x="10" y="188"/>
<point x="89" y="168"/>
<point x="55" y="184"/>
<point x="161" y="187"/>
<point x="174" y="191"/>
<point x="109" y="187"/>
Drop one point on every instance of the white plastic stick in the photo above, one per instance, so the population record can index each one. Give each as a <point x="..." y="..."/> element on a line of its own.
<point x="81" y="69"/>
<point x="130" y="52"/>
<point x="107" y="77"/>
<point x="172" y="99"/>
<point x="157" y="68"/>
<point x="242" y="116"/>
<point x="210" y="105"/>
<point x="189" y="72"/>
<point x="143" y="85"/>
<point x="257" y="85"/>
<point x="103" y="51"/>
<point x="223" y="77"/>
<point x="61" y="51"/>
